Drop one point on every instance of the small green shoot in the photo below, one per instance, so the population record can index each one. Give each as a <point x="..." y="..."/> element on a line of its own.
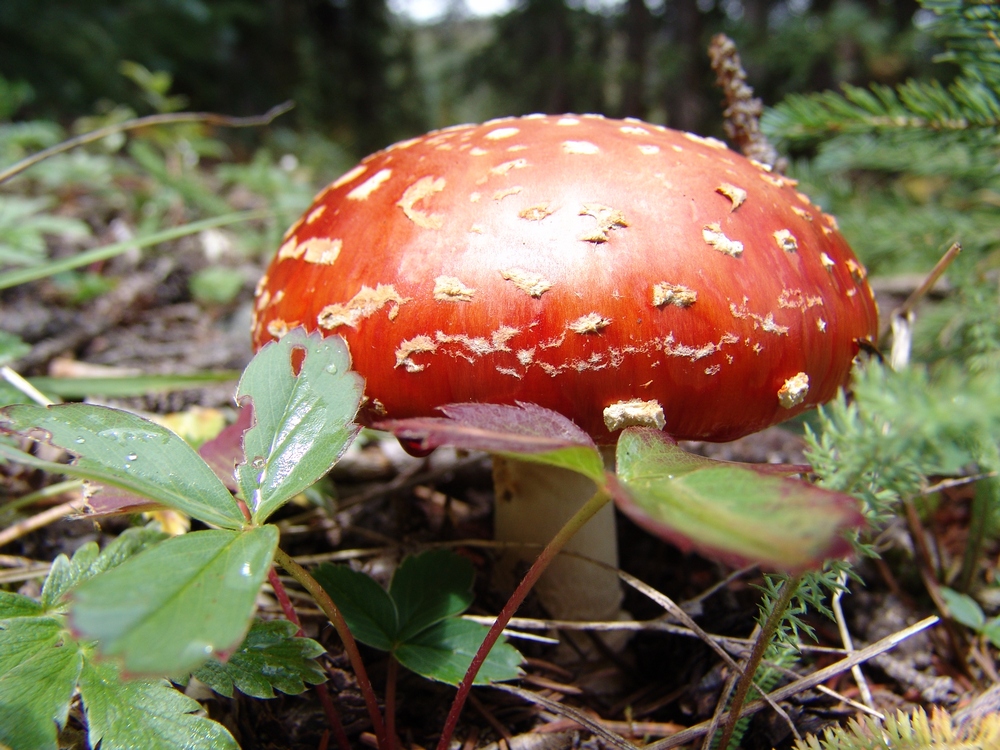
<point x="965" y="610"/>
<point x="417" y="620"/>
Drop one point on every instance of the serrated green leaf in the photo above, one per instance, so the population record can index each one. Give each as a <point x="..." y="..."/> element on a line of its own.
<point x="428" y="588"/>
<point x="88" y="561"/>
<point x="171" y="607"/>
<point x="64" y="573"/>
<point x="303" y="422"/>
<point x="24" y="637"/>
<point x="124" y="450"/>
<point x="38" y="674"/>
<point x="270" y="657"/>
<point x="444" y="653"/>
<point x="366" y="606"/>
<point x="128" y="714"/>
<point x="16" y="605"/>
<point x="963" y="609"/>
<point x="729" y="510"/>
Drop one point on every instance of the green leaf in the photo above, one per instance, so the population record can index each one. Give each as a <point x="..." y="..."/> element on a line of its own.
<point x="303" y="422"/>
<point x="428" y="588"/>
<point x="11" y="348"/>
<point x="15" y="605"/>
<point x="137" y="385"/>
<point x="39" y="666"/>
<point x="87" y="562"/>
<point x="444" y="652"/>
<point x="963" y="609"/>
<point x="124" y="450"/>
<point x="126" y="714"/>
<point x="729" y="510"/>
<point x="270" y="657"/>
<point x="369" y="611"/>
<point x="171" y="607"/>
<point x="13" y="278"/>
<point x="991" y="629"/>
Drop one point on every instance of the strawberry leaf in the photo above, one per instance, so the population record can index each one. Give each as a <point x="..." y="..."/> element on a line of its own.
<point x="304" y="398"/>
<point x="125" y="714"/>
<point x="169" y="608"/>
<point x="270" y="658"/>
<point x="727" y="510"/>
<point x="39" y="666"/>
<point x="124" y="450"/>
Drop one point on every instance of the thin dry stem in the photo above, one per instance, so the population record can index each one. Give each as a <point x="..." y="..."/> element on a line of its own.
<point x="743" y="109"/>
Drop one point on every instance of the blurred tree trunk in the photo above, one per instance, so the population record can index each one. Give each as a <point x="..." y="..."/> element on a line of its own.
<point x="637" y="26"/>
<point x="684" y="98"/>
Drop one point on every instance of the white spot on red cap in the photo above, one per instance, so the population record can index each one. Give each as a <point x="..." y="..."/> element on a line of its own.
<point x="451" y="289"/>
<point x="499" y="195"/>
<point x="348" y="176"/>
<point x="532" y="284"/>
<point x="714" y="237"/>
<point x="567" y="121"/>
<point x="634" y="413"/>
<point x="418" y="191"/>
<point x="735" y="194"/>
<point x="794" y="391"/>
<point x="362" y="305"/>
<point x="589" y="323"/>
<point x="509" y="165"/>
<point x="786" y="240"/>
<point x="579" y="147"/>
<point x="536" y="213"/>
<point x="647" y="149"/>
<point x="321" y="250"/>
<point x="607" y="219"/>
<point x="501" y="133"/>
<point x="369" y="186"/>
<point x="666" y="293"/>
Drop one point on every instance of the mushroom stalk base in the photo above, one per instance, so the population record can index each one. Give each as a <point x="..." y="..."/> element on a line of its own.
<point x="533" y="502"/>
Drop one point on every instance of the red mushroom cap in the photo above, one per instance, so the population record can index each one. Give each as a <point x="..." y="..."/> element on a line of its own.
<point x="614" y="271"/>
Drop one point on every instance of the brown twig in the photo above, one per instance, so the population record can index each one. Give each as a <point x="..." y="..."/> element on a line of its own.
<point x="324" y="695"/>
<point x="743" y="109"/>
<point x="806" y="683"/>
<point x="206" y="118"/>
<point x="19" y="529"/>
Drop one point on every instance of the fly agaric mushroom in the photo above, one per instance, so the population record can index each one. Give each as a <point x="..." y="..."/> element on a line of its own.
<point x="616" y="272"/>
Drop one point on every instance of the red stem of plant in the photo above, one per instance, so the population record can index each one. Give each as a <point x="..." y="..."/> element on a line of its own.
<point x="332" y="716"/>
<point x="531" y="577"/>
<point x="391" y="676"/>
<point x="326" y="604"/>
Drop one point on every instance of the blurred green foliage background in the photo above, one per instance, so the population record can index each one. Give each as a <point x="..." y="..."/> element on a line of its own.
<point x="365" y="73"/>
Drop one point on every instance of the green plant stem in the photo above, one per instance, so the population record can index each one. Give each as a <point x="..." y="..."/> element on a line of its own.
<point x="117" y="248"/>
<point x="986" y="498"/>
<point x="53" y="490"/>
<point x="767" y="632"/>
<point x="326" y="604"/>
<point x="324" y="695"/>
<point x="391" y="678"/>
<point x="548" y="554"/>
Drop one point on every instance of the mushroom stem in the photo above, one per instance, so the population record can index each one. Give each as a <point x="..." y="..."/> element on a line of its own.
<point x="533" y="502"/>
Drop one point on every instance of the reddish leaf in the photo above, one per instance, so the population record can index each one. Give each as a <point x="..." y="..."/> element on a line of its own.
<point x="496" y="428"/>
<point x="223" y="452"/>
<point x="729" y="511"/>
